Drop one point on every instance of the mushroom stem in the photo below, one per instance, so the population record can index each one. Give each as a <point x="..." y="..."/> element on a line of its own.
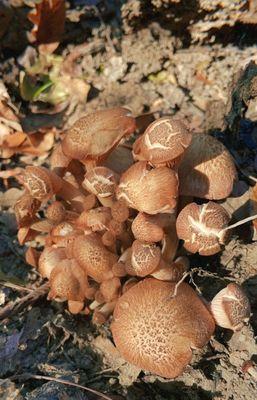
<point x="241" y="222"/>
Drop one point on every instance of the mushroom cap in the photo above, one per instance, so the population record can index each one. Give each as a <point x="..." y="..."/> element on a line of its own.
<point x="100" y="181"/>
<point x="147" y="228"/>
<point x="92" y="137"/>
<point x="41" y="183"/>
<point x="201" y="227"/>
<point x="56" y="212"/>
<point x="230" y="307"/>
<point x="68" y="281"/>
<point x="163" y="141"/>
<point x="97" y="219"/>
<point x="150" y="190"/>
<point x="156" y="331"/>
<point x="49" y="259"/>
<point x="90" y="253"/>
<point x="25" y="209"/>
<point x="145" y="258"/>
<point x="207" y="169"/>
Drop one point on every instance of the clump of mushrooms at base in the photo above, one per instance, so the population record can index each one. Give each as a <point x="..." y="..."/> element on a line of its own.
<point x="109" y="229"/>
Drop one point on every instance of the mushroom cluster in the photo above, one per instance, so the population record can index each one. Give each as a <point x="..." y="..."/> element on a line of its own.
<point x="110" y="230"/>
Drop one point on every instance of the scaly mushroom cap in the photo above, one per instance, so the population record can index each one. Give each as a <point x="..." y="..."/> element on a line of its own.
<point x="201" y="227"/>
<point x="49" y="259"/>
<point x="95" y="135"/>
<point x="231" y="307"/>
<point x="207" y="170"/>
<point x="156" y="332"/>
<point x="100" y="181"/>
<point x="41" y="183"/>
<point x="96" y="219"/>
<point x="149" y="190"/>
<point x="145" y="258"/>
<point x="163" y="142"/>
<point x="68" y="281"/>
<point x="56" y="212"/>
<point x="25" y="209"/>
<point x="147" y="228"/>
<point x="90" y="253"/>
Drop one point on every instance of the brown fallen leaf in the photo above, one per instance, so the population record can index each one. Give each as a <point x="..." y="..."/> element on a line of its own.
<point x="48" y="18"/>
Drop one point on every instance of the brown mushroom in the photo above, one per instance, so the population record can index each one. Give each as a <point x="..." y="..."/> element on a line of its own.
<point x="41" y="183"/>
<point x="172" y="272"/>
<point x="91" y="254"/>
<point x="202" y="227"/>
<point x="68" y="281"/>
<point x="163" y="143"/>
<point x="56" y="212"/>
<point x="145" y="258"/>
<point x="49" y="259"/>
<point x="149" y="190"/>
<point x="157" y="331"/>
<point x="207" y="169"/>
<point x="101" y="181"/>
<point x="25" y="209"/>
<point x="93" y="137"/>
<point x="231" y="308"/>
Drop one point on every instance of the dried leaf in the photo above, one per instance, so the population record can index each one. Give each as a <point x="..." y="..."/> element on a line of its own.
<point x="48" y="18"/>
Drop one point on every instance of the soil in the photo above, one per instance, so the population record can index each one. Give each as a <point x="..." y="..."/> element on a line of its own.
<point x="144" y="58"/>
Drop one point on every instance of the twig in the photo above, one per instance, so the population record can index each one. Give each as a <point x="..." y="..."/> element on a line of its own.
<point x="16" y="287"/>
<point x="19" y="304"/>
<point x="50" y="378"/>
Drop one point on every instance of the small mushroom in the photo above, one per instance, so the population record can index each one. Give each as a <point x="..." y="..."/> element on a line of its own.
<point x="110" y="288"/>
<point x="172" y="272"/>
<point x="203" y="227"/>
<point x="149" y="228"/>
<point x="207" y="169"/>
<point x="49" y="259"/>
<point x="157" y="331"/>
<point x="96" y="219"/>
<point x="92" y="137"/>
<point x="41" y="183"/>
<point x="25" y="209"/>
<point x="56" y="212"/>
<point x="149" y="190"/>
<point x="90" y="253"/>
<point x="231" y="308"/>
<point x="68" y="281"/>
<point x="145" y="258"/>
<point x="163" y="143"/>
<point x="101" y="181"/>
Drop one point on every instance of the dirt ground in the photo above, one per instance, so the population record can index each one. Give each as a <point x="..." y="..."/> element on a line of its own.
<point x="143" y="55"/>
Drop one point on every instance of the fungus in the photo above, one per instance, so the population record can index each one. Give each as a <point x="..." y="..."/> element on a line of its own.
<point x="56" y="212"/>
<point x="231" y="308"/>
<point x="172" y="272"/>
<point x="101" y="181"/>
<point x="68" y="281"/>
<point x="202" y="227"/>
<point x="207" y="169"/>
<point x="110" y="288"/>
<point x="25" y="209"/>
<point x="90" y="253"/>
<point x="145" y="258"/>
<point x="156" y="331"/>
<point x="149" y="228"/>
<point x="41" y="183"/>
<point x="149" y="190"/>
<point x="163" y="143"/>
<point x="49" y="259"/>
<point x="93" y="137"/>
<point x="96" y="219"/>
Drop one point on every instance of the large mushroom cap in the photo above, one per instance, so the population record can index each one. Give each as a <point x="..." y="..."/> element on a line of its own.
<point x="96" y="134"/>
<point x="149" y="190"/>
<point x="207" y="169"/>
<point x="157" y="332"/>
<point x="163" y="141"/>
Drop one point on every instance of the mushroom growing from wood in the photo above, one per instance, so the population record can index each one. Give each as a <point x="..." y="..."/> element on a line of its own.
<point x="156" y="331"/>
